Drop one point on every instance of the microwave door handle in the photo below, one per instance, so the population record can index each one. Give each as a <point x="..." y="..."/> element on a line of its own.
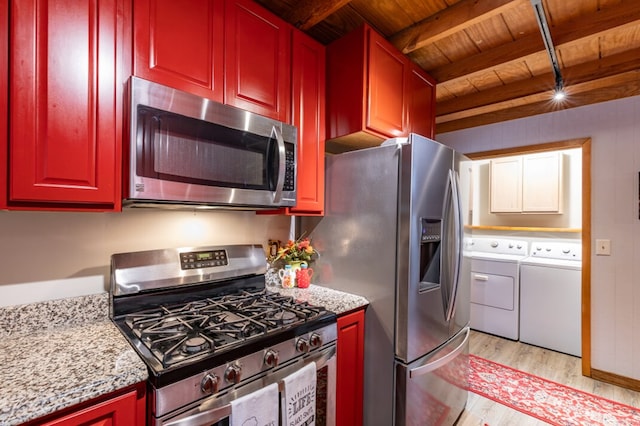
<point x="282" y="159"/>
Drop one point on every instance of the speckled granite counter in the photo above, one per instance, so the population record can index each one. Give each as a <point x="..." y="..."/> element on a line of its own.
<point x="333" y="300"/>
<point x="60" y="353"/>
<point x="57" y="354"/>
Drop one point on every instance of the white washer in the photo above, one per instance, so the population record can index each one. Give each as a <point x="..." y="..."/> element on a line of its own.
<point x="495" y="285"/>
<point x="550" y="297"/>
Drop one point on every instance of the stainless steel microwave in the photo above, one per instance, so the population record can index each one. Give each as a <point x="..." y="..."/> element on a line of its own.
<point x="188" y="150"/>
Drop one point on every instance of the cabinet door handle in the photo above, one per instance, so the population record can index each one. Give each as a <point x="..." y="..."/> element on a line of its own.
<point x="479" y="277"/>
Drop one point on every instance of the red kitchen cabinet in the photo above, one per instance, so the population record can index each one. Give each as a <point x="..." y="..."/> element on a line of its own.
<point x="258" y="60"/>
<point x="66" y="73"/>
<point x="387" y="87"/>
<point x="125" y="408"/>
<point x="230" y="51"/>
<point x="4" y="80"/>
<point x="422" y="101"/>
<point x="350" y="369"/>
<point x="181" y="47"/>
<point x="308" y="84"/>
<point x="371" y="92"/>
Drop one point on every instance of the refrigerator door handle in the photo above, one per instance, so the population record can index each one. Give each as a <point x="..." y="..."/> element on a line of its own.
<point x="429" y="367"/>
<point x="457" y="243"/>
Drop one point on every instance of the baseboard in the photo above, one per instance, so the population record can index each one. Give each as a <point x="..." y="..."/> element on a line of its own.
<point x="616" y="379"/>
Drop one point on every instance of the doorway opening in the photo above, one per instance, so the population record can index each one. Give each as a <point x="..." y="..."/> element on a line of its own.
<point x="584" y="145"/>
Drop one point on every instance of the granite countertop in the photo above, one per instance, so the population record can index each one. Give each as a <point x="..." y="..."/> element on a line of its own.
<point x="332" y="300"/>
<point x="59" y="353"/>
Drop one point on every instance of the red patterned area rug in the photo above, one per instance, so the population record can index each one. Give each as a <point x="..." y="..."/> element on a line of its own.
<point x="545" y="400"/>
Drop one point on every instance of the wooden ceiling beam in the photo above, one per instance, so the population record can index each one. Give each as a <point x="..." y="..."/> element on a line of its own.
<point x="605" y="67"/>
<point x="307" y="13"/>
<point x="602" y="90"/>
<point x="449" y="21"/>
<point x="590" y="26"/>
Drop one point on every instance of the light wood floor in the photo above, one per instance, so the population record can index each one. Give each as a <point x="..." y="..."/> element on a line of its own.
<point x="561" y="368"/>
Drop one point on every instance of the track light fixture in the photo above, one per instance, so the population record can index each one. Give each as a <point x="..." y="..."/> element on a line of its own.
<point x="541" y="17"/>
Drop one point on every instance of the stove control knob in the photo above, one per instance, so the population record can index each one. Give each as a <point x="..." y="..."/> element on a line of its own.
<point x="302" y="345"/>
<point x="209" y="383"/>
<point x="271" y="358"/>
<point x="315" y="340"/>
<point x="232" y="374"/>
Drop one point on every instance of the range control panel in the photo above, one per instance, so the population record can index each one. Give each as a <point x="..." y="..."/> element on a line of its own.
<point x="203" y="259"/>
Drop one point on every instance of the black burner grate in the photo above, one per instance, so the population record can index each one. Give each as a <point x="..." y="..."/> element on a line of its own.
<point x="181" y="332"/>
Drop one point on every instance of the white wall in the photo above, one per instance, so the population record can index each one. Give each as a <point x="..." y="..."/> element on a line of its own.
<point x="51" y="255"/>
<point x="614" y="128"/>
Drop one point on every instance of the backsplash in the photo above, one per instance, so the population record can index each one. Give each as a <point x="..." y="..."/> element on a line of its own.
<point x="53" y="255"/>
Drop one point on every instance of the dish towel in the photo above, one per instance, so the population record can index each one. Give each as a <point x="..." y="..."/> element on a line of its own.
<point x="259" y="408"/>
<point x="299" y="397"/>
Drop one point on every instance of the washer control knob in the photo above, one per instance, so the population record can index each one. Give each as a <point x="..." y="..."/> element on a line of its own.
<point x="315" y="340"/>
<point x="209" y="383"/>
<point x="302" y="345"/>
<point x="233" y="373"/>
<point x="494" y="244"/>
<point x="271" y="358"/>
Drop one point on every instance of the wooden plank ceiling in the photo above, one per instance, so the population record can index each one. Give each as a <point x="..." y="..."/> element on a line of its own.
<point x="488" y="56"/>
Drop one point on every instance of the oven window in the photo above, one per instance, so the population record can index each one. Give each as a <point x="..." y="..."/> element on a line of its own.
<point x="322" y="385"/>
<point x="185" y="149"/>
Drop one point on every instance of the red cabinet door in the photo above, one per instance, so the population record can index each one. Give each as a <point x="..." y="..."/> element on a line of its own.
<point x="308" y="83"/>
<point x="66" y="100"/>
<point x="387" y="87"/>
<point x="4" y="79"/>
<point x="350" y="369"/>
<point x="181" y="47"/>
<point x="422" y="102"/>
<point x="257" y="60"/>
<point x="119" y="411"/>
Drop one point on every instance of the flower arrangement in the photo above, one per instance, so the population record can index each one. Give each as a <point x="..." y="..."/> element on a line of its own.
<point x="299" y="250"/>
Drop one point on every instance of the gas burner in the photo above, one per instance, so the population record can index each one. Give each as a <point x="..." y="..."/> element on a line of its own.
<point x="285" y="317"/>
<point x="195" y="344"/>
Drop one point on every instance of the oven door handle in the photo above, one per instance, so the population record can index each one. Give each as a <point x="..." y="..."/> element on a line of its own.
<point x="211" y="416"/>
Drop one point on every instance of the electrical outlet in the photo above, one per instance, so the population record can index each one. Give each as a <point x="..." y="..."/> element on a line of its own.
<point x="603" y="247"/>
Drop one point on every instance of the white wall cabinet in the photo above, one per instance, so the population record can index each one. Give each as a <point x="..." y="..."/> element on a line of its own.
<point x="506" y="185"/>
<point x="527" y="184"/>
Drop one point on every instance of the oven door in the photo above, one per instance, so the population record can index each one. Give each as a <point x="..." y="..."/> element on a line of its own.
<point x="216" y="410"/>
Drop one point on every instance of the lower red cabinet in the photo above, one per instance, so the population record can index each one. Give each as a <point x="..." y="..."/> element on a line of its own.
<point x="350" y="369"/>
<point x="126" y="409"/>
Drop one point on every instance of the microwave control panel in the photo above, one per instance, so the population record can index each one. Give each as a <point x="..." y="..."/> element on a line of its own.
<point x="290" y="168"/>
<point x="203" y="259"/>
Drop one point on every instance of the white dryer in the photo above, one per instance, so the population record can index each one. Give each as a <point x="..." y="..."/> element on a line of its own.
<point x="550" y="297"/>
<point x="495" y="285"/>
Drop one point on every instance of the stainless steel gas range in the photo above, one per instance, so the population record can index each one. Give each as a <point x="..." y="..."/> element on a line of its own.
<point x="210" y="332"/>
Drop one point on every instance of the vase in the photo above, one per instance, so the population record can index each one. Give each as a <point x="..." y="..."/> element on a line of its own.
<point x="303" y="276"/>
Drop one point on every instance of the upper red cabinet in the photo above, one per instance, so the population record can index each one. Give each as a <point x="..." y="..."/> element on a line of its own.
<point x="308" y="83"/>
<point x="4" y="101"/>
<point x="374" y="92"/>
<point x="258" y="58"/>
<point x="66" y="60"/>
<point x="231" y="51"/>
<point x="385" y="109"/>
<point x="422" y="101"/>
<point x="181" y="47"/>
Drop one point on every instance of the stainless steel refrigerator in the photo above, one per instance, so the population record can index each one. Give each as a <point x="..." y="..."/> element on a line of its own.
<point x="393" y="231"/>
